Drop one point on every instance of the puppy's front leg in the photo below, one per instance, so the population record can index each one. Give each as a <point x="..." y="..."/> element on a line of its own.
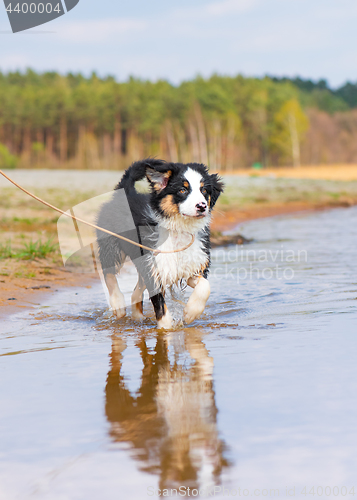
<point x="116" y="298"/>
<point x="163" y="315"/>
<point x="137" y="300"/>
<point x="197" y="302"/>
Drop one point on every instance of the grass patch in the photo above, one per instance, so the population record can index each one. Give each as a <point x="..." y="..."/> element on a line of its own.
<point x="24" y="274"/>
<point x="25" y="220"/>
<point x="46" y="271"/>
<point x="335" y="196"/>
<point x="6" y="251"/>
<point x="28" y="251"/>
<point x="36" y="250"/>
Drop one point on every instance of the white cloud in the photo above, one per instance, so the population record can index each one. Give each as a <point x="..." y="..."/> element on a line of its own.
<point x="211" y="10"/>
<point x="11" y="61"/>
<point x="230" y="7"/>
<point x="102" y="30"/>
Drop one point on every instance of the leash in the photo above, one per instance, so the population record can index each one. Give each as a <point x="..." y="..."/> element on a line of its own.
<point x="72" y="216"/>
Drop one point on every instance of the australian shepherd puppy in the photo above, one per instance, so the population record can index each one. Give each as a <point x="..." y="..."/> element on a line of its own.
<point x="177" y="209"/>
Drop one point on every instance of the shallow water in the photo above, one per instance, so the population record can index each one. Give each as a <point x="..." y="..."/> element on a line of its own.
<point x="257" y="397"/>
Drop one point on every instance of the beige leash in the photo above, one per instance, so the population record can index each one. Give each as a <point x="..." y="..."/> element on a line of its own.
<point x="72" y="216"/>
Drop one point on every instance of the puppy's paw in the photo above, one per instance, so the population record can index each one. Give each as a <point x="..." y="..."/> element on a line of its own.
<point x="165" y="322"/>
<point x="117" y="303"/>
<point x="119" y="313"/>
<point x="193" y="310"/>
<point x="197" y="302"/>
<point x="137" y="315"/>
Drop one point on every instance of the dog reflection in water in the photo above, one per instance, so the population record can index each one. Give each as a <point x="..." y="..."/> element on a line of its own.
<point x="171" y="422"/>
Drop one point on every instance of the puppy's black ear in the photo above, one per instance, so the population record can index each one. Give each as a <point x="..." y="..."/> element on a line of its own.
<point x="137" y="172"/>
<point x="158" y="174"/>
<point x="217" y="187"/>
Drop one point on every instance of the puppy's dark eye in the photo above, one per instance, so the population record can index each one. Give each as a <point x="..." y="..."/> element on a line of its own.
<point x="183" y="191"/>
<point x="203" y="190"/>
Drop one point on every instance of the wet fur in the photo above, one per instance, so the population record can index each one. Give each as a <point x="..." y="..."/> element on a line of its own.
<point x="160" y="224"/>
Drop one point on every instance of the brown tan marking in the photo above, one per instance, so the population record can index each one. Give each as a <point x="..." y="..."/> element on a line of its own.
<point x="162" y="312"/>
<point x="186" y="184"/>
<point x="139" y="307"/>
<point x="168" y="206"/>
<point x="203" y="267"/>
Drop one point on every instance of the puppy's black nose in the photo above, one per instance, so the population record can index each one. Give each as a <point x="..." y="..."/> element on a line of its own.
<point x="201" y="207"/>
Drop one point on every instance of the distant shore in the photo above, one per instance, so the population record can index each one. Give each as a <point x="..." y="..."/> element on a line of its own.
<point x="229" y="219"/>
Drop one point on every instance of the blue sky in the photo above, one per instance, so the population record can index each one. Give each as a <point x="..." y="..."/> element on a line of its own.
<point x="178" y="39"/>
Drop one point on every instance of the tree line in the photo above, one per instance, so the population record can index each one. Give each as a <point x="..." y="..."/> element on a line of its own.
<point x="55" y="121"/>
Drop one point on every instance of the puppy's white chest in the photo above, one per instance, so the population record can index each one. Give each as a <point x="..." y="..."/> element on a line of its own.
<point x="169" y="268"/>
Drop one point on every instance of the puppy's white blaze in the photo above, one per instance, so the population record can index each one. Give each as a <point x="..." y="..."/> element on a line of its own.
<point x="197" y="302"/>
<point x="188" y="207"/>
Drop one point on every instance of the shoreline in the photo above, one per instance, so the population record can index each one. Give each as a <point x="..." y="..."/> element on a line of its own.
<point x="18" y="293"/>
<point x="229" y="219"/>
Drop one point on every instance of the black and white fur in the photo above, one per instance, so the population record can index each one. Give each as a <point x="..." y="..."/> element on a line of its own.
<point x="179" y="206"/>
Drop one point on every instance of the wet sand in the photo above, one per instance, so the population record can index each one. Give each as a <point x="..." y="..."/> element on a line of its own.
<point x="21" y="293"/>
